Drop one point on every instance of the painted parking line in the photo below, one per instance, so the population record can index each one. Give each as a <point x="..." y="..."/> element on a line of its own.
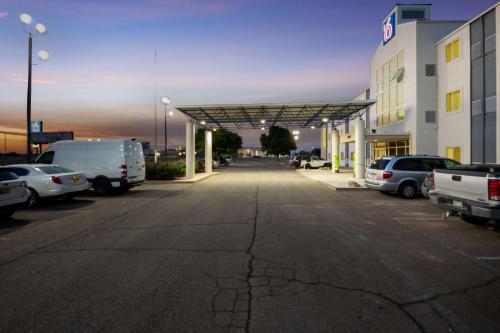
<point x="488" y="258"/>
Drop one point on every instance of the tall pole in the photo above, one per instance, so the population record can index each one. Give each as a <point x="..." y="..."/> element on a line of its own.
<point x="28" y="102"/>
<point x="156" y="121"/>
<point x="166" y="151"/>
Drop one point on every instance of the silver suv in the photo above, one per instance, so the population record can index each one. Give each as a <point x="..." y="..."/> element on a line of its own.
<point x="403" y="174"/>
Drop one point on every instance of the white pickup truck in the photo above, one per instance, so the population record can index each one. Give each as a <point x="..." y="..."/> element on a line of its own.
<point x="471" y="191"/>
<point x="314" y="162"/>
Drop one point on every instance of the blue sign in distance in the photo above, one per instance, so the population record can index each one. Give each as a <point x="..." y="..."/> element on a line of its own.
<point x="389" y="28"/>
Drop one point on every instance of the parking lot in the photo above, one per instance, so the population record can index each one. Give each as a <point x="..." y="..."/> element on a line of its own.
<point x="256" y="248"/>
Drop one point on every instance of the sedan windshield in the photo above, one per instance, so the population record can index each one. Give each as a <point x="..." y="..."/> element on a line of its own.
<point x="52" y="170"/>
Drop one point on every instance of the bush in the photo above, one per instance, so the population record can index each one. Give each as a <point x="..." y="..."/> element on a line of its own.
<point x="164" y="171"/>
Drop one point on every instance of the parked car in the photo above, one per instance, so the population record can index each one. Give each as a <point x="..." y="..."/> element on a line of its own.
<point x="13" y="193"/>
<point x="229" y="159"/>
<point x="222" y="161"/>
<point x="428" y="184"/>
<point x="49" y="181"/>
<point x="314" y="162"/>
<point x="107" y="164"/>
<point x="295" y="161"/>
<point x="471" y="191"/>
<point x="403" y="174"/>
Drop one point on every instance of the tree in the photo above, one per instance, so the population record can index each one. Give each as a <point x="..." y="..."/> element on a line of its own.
<point x="278" y="141"/>
<point x="223" y="142"/>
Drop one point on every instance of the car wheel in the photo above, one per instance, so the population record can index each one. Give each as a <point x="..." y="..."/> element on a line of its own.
<point x="7" y="212"/>
<point x="34" y="198"/>
<point x="408" y="190"/>
<point x="102" y="186"/>
<point x="308" y="166"/>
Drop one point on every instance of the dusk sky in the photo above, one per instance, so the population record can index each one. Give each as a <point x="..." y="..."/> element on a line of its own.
<point x="100" y="77"/>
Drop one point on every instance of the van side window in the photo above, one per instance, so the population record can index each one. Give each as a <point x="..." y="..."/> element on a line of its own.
<point x="46" y="158"/>
<point x="408" y="164"/>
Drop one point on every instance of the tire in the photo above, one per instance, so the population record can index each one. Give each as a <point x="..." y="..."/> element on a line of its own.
<point x="408" y="190"/>
<point x="34" y="198"/>
<point x="6" y="212"/>
<point x="474" y="219"/>
<point x="102" y="186"/>
<point x="308" y="166"/>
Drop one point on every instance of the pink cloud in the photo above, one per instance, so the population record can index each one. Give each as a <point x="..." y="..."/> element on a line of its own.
<point x="34" y="81"/>
<point x="3" y="14"/>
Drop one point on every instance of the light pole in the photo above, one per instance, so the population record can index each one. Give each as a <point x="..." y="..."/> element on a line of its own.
<point x="165" y="101"/>
<point x="26" y="20"/>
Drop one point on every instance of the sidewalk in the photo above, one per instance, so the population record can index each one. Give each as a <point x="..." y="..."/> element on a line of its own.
<point x="340" y="181"/>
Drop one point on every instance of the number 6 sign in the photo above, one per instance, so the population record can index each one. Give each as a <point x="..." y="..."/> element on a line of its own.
<point x="389" y="28"/>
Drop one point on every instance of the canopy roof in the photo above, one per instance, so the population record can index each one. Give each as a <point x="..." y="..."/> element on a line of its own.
<point x="296" y="115"/>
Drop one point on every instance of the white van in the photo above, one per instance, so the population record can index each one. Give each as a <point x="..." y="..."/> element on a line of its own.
<point x="107" y="164"/>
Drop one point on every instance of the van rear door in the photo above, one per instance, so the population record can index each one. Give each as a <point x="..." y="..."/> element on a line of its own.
<point x="134" y="158"/>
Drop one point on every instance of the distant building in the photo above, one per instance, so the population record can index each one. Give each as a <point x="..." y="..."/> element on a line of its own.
<point x="250" y="152"/>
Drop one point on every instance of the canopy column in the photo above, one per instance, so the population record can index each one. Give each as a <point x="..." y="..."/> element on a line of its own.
<point x="190" y="149"/>
<point x="335" y="150"/>
<point x="359" y="148"/>
<point x="208" y="151"/>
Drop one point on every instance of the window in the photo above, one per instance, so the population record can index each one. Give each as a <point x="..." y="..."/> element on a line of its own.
<point x="409" y="164"/>
<point x="452" y="50"/>
<point x="413" y="14"/>
<point x="430" y="70"/>
<point x="453" y="101"/>
<point x="390" y="90"/>
<point x="391" y="148"/>
<point x="352" y="156"/>
<point x="52" y="170"/>
<point x="379" y="164"/>
<point x="454" y="153"/>
<point x="430" y="117"/>
<point x="342" y="156"/>
<point x="46" y="158"/>
<point x="18" y="171"/>
<point x="7" y="175"/>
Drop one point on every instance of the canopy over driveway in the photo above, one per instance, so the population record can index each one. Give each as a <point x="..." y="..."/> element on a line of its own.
<point x="296" y="115"/>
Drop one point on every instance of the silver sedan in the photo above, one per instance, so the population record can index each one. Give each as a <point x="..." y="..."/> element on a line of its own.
<point x="49" y="181"/>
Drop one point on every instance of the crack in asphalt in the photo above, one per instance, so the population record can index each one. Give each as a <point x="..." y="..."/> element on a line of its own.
<point x="272" y="279"/>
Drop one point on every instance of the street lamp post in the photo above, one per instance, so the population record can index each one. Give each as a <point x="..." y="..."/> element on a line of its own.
<point x="165" y="101"/>
<point x="26" y="19"/>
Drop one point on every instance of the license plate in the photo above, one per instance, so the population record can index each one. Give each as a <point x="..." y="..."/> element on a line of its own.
<point x="457" y="204"/>
<point x="4" y="190"/>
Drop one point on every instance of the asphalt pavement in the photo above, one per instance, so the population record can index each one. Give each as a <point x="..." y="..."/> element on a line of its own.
<point x="256" y="248"/>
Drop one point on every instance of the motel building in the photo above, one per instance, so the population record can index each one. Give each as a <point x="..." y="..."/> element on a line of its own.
<point x="434" y="82"/>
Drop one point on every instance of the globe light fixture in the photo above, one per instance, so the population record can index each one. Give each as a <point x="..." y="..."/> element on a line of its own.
<point x="171" y="113"/>
<point x="262" y="121"/>
<point x="325" y="120"/>
<point x="165" y="100"/>
<point x="262" y="129"/>
<point x="25" y="18"/>
<point x="312" y="127"/>
<point x="203" y="122"/>
<point x="41" y="28"/>
<point x="43" y="55"/>
<point x="296" y="137"/>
